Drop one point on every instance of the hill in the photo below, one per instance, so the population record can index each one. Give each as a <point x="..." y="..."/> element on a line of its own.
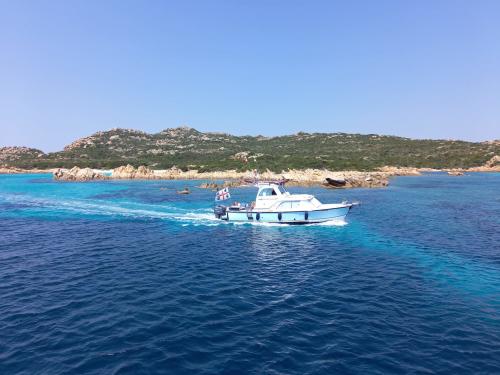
<point x="188" y="148"/>
<point x="19" y="155"/>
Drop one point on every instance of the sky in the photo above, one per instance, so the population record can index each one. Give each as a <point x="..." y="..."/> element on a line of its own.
<point x="421" y="69"/>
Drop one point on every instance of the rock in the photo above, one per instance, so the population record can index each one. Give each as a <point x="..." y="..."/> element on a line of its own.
<point x="214" y="185"/>
<point x="232" y="183"/>
<point x="208" y="185"/>
<point x="13" y="170"/>
<point x="370" y="181"/>
<point x="241" y="156"/>
<point x="493" y="162"/>
<point x="144" y="172"/>
<point x="492" y="165"/>
<point x="128" y="172"/>
<point x="78" y="174"/>
<point x="455" y="173"/>
<point x="124" y="172"/>
<point x="400" y="171"/>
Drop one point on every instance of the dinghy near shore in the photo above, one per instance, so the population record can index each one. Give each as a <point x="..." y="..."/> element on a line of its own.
<point x="274" y="204"/>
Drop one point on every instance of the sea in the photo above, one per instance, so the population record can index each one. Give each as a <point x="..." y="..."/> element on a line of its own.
<point x="129" y="277"/>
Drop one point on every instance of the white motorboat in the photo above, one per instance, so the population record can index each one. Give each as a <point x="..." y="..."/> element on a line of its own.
<point x="274" y="204"/>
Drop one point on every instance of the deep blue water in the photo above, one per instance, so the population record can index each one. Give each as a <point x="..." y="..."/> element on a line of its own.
<point x="131" y="278"/>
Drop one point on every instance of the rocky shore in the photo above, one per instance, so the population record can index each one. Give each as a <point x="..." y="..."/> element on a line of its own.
<point x="492" y="165"/>
<point x="12" y="170"/>
<point x="307" y="177"/>
<point x="232" y="178"/>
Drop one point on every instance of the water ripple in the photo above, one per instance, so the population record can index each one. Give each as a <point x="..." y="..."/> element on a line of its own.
<point x="108" y="282"/>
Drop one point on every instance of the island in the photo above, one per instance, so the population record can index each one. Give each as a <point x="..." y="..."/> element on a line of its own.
<point x="349" y="160"/>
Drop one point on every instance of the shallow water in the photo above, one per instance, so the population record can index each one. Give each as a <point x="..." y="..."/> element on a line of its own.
<point x="131" y="278"/>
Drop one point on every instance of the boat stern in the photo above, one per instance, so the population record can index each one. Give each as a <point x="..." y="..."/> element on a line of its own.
<point x="220" y="212"/>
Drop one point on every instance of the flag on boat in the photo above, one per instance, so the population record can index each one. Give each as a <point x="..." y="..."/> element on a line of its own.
<point x="222" y="195"/>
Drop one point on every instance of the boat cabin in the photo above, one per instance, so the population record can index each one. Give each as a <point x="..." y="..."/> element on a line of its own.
<point x="273" y="196"/>
<point x="271" y="190"/>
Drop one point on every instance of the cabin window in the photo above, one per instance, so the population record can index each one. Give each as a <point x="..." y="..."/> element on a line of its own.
<point x="290" y="205"/>
<point x="281" y="189"/>
<point x="267" y="192"/>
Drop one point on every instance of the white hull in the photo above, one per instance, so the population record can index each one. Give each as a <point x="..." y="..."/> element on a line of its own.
<point x="338" y="212"/>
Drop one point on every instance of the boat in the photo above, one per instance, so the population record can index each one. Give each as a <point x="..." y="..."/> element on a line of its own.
<point x="185" y="191"/>
<point x="274" y="204"/>
<point x="335" y="182"/>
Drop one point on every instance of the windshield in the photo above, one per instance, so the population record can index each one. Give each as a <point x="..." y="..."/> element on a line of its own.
<point x="266" y="192"/>
<point x="282" y="189"/>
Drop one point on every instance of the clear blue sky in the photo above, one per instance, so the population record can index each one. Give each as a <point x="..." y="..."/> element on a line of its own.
<point x="424" y="69"/>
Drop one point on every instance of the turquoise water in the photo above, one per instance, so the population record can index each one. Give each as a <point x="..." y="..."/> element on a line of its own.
<point x="132" y="278"/>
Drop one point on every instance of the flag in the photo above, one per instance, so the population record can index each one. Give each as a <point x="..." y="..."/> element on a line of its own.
<point x="222" y="195"/>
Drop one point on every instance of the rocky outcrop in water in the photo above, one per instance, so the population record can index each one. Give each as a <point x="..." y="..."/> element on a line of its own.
<point x="128" y="172"/>
<point x="368" y="181"/>
<point x="455" y="173"/>
<point x="308" y="177"/>
<point x="232" y="178"/>
<point x="401" y="171"/>
<point x="215" y="185"/>
<point x="78" y="174"/>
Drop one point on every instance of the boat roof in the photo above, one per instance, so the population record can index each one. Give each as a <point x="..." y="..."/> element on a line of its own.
<point x="282" y="181"/>
<point x="270" y="183"/>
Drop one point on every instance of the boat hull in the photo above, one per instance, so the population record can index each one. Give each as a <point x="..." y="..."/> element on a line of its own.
<point x="289" y="217"/>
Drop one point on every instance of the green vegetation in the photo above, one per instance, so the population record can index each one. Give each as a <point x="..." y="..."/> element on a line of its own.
<point x="187" y="148"/>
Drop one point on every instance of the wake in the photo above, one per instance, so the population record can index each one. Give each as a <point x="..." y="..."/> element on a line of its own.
<point x="132" y="210"/>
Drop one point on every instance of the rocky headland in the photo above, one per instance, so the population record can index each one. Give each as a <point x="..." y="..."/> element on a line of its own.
<point x="295" y="177"/>
<point x="492" y="165"/>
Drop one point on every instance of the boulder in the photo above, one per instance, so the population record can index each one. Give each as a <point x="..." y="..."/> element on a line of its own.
<point x="128" y="172"/>
<point x="78" y="174"/>
<point x="493" y="162"/>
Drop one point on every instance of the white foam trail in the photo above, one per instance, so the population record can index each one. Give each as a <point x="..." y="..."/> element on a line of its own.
<point x="334" y="223"/>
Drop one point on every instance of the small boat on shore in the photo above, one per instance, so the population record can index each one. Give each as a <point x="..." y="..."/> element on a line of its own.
<point x="335" y="183"/>
<point x="274" y="204"/>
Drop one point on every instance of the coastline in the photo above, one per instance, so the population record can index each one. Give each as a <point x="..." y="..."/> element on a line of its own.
<point x="299" y="177"/>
